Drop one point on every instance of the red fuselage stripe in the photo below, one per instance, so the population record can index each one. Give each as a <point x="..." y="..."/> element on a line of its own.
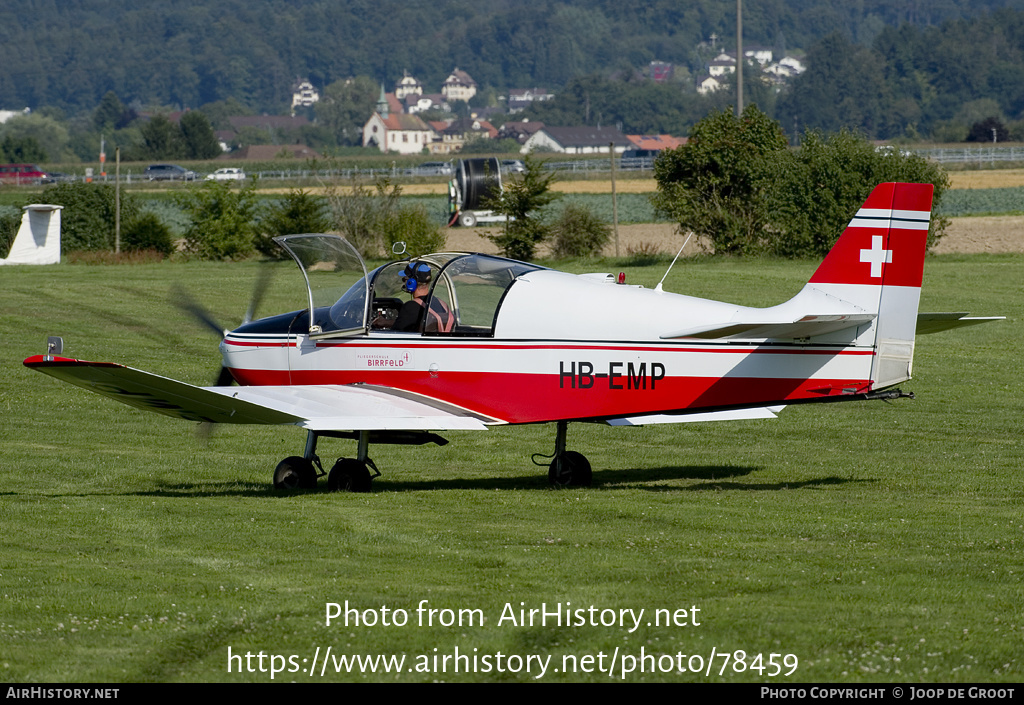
<point x="416" y="345"/>
<point x="535" y="398"/>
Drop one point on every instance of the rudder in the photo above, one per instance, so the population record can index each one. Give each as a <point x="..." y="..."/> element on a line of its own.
<point x="878" y="264"/>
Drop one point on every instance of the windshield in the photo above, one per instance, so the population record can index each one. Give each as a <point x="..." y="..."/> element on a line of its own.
<point x="455" y="293"/>
<point x="464" y="292"/>
<point x="335" y="280"/>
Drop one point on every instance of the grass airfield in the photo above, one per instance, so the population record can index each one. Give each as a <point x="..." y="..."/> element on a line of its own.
<point x="862" y="542"/>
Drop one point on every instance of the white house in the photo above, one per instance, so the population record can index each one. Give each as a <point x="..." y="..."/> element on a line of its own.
<point x="577" y="140"/>
<point x="726" y="61"/>
<point x="521" y="98"/>
<point x="721" y="65"/>
<point x="304" y="94"/>
<point x="401" y="133"/>
<point x="415" y="103"/>
<point x="786" y="67"/>
<point x="709" y="85"/>
<point x="406" y="86"/>
<point x="459" y="86"/>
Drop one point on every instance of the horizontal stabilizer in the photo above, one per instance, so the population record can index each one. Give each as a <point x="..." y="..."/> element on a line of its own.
<point x="314" y="407"/>
<point x="804" y="327"/>
<point x="936" y="322"/>
<point x="763" y="412"/>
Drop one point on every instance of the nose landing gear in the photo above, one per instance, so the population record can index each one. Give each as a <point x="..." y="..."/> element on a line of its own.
<point x="568" y="468"/>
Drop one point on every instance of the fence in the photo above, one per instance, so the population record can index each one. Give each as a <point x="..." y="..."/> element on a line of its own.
<point x="641" y="166"/>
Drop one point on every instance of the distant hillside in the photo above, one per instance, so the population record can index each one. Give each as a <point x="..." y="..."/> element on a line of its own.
<point x="69" y="53"/>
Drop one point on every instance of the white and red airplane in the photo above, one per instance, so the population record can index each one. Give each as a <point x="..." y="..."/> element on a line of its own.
<point x="498" y="341"/>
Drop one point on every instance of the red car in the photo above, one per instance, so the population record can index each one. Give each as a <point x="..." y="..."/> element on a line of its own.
<point x="21" y="174"/>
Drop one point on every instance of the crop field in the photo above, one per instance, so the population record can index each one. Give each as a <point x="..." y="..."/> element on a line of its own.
<point x="961" y="202"/>
<point x="861" y="542"/>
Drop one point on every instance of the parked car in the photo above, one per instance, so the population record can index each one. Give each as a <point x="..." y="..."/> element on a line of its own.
<point x="513" y="166"/>
<point x="169" y="172"/>
<point x="890" y="150"/>
<point x="641" y="154"/>
<point x="56" y="177"/>
<point x="432" y="169"/>
<point x="227" y="174"/>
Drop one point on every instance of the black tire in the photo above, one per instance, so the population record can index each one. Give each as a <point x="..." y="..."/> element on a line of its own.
<point x="295" y="473"/>
<point x="570" y="469"/>
<point x="467" y="220"/>
<point x="349" y="475"/>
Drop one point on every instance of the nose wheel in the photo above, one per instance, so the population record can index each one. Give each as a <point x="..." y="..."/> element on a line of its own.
<point x="568" y="468"/>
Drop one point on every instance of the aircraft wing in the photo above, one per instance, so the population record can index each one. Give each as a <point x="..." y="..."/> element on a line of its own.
<point x="313" y="407"/>
<point x="936" y="322"/>
<point x="804" y="327"/>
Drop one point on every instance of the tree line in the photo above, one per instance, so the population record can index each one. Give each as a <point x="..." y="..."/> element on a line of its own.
<point x="959" y="81"/>
<point x="946" y="82"/>
<point x="912" y="82"/>
<point x="186" y="53"/>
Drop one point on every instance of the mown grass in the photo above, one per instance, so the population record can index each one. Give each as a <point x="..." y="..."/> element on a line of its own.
<point x="876" y="542"/>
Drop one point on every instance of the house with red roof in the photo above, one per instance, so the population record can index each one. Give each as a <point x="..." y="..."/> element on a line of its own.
<point x="655" y="143"/>
<point x="391" y="130"/>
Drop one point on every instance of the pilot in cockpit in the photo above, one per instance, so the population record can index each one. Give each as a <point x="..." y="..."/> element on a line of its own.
<point x="416" y="281"/>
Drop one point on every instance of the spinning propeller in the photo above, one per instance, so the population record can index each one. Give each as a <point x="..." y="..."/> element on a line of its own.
<point x="187" y="303"/>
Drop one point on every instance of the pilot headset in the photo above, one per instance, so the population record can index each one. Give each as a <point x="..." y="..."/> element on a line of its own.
<point x="416" y="273"/>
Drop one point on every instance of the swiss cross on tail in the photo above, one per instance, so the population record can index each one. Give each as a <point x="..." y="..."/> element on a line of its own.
<point x="876" y="256"/>
<point x="885" y="240"/>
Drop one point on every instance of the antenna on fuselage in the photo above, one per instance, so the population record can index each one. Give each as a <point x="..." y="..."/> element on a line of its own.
<point x="658" y="288"/>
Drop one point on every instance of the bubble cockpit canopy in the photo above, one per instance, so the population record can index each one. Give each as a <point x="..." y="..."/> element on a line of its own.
<point x="346" y="300"/>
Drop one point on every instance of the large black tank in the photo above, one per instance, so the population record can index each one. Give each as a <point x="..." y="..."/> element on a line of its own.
<point x="476" y="180"/>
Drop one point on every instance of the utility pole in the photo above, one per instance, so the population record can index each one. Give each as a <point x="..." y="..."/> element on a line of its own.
<point x="615" y="203"/>
<point x="739" y="57"/>
<point x="117" y="200"/>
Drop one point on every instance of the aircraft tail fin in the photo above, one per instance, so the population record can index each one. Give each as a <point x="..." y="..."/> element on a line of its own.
<point x="884" y="244"/>
<point x="878" y="264"/>
<point x="38" y="238"/>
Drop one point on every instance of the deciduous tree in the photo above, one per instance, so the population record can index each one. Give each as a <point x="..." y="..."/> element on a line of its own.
<point x="715" y="185"/>
<point x="818" y="190"/>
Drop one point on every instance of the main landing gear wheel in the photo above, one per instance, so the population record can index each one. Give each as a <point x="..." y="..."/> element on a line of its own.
<point x="349" y="475"/>
<point x="570" y="469"/>
<point x="295" y="473"/>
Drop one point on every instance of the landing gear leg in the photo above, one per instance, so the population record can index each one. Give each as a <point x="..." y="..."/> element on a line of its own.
<point x="350" y="474"/>
<point x="568" y="468"/>
<point x="353" y="474"/>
